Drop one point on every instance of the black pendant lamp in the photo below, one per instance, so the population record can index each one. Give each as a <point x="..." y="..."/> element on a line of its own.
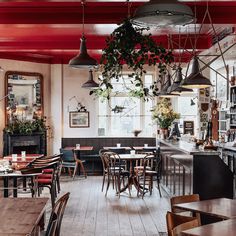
<point x="175" y="87"/>
<point x="83" y="60"/>
<point x="196" y="79"/>
<point x="164" y="92"/>
<point x="163" y="13"/>
<point x="90" y="84"/>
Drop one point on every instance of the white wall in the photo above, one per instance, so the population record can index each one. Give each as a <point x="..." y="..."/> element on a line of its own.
<point x="72" y="81"/>
<point x="13" y="65"/>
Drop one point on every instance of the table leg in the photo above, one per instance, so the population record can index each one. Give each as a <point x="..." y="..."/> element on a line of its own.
<point x="24" y="183"/>
<point x="5" y="184"/>
<point x="14" y="186"/>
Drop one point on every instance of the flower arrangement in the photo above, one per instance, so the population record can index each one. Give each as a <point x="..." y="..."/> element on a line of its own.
<point x="164" y="114"/>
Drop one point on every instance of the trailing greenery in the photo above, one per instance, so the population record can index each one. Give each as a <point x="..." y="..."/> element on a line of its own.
<point x="26" y="126"/>
<point x="128" y="45"/>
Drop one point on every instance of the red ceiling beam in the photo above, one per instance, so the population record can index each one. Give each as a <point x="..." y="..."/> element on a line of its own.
<point x="95" y="42"/>
<point x="56" y="57"/>
<point x="97" y="12"/>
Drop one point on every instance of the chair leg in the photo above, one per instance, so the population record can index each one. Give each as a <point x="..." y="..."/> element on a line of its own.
<point x="69" y="170"/>
<point x="158" y="186"/>
<point x="75" y="170"/>
<point x="58" y="183"/>
<point x="103" y="181"/>
<point x="108" y="183"/>
<point x="82" y="168"/>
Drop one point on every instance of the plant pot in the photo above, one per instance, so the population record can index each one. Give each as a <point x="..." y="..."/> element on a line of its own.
<point x="164" y="133"/>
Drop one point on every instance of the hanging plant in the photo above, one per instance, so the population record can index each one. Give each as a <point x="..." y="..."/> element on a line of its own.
<point x="128" y="45"/>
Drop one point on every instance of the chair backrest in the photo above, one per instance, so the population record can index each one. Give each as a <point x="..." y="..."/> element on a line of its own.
<point x="184" y="199"/>
<point x="158" y="162"/>
<point x="58" y="210"/>
<point x="67" y="155"/>
<point x="51" y="231"/>
<point x="101" y="154"/>
<point x="177" y="223"/>
<point x="112" y="162"/>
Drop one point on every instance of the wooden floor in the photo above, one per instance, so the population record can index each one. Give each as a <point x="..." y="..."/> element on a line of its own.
<point x="89" y="212"/>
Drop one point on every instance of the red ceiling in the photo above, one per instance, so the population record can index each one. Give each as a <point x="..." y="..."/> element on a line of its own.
<point x="49" y="32"/>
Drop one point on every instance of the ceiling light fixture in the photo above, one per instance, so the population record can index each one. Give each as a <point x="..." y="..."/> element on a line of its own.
<point x="175" y="87"/>
<point x="90" y="84"/>
<point x="196" y="79"/>
<point x="164" y="92"/>
<point x="163" y="13"/>
<point x="82" y="60"/>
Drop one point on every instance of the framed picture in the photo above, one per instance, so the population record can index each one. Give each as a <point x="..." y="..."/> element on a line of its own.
<point x="79" y="119"/>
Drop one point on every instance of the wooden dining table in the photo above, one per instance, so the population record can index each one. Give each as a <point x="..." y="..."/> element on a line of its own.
<point x="132" y="177"/>
<point x="15" y="175"/>
<point x="22" y="216"/>
<point x="146" y="148"/>
<point x="223" y="208"/>
<point x="115" y="147"/>
<point x="222" y="228"/>
<point x="27" y="158"/>
<point x="82" y="148"/>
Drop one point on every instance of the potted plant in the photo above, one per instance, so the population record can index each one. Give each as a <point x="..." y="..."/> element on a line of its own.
<point x="26" y="127"/>
<point x="164" y="115"/>
<point x="129" y="45"/>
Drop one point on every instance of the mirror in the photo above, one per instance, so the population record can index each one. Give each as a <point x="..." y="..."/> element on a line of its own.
<point x="24" y="98"/>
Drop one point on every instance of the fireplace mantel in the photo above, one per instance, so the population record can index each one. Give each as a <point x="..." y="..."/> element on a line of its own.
<point x="32" y="143"/>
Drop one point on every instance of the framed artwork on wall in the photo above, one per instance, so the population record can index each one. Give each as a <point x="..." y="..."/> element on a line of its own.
<point x="79" y="119"/>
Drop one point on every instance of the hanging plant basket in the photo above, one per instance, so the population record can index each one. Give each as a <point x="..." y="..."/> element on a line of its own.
<point x="129" y="45"/>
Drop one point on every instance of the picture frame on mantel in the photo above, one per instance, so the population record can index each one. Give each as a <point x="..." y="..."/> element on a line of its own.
<point x="79" y="119"/>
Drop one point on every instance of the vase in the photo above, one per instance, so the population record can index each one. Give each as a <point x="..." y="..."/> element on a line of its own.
<point x="164" y="133"/>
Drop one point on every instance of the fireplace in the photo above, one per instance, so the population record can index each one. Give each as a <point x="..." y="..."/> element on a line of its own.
<point x="15" y="143"/>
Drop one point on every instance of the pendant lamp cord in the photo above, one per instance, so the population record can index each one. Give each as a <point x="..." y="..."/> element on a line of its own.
<point x="128" y="8"/>
<point x="82" y="4"/>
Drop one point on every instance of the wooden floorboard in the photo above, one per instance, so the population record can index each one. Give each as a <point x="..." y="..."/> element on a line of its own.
<point x="90" y="213"/>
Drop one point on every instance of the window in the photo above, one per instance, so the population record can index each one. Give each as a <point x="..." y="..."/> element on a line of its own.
<point x="125" y="114"/>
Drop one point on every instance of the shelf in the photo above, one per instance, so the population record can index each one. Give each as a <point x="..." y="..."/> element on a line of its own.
<point x="232" y="124"/>
<point x="233" y="113"/>
<point x="222" y="120"/>
<point x="222" y="131"/>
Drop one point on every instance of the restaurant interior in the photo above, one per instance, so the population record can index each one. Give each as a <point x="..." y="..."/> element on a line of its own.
<point x="118" y="117"/>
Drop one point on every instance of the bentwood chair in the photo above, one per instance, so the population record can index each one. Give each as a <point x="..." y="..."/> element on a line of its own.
<point x="149" y="169"/>
<point x="184" y="199"/>
<point x="54" y="224"/>
<point x="48" y="180"/>
<point x="104" y="166"/>
<point x="115" y="171"/>
<point x="177" y="223"/>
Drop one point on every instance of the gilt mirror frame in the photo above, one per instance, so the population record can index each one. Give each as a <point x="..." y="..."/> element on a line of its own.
<point x="35" y="107"/>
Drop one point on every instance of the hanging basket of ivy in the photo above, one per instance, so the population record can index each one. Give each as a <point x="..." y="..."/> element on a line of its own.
<point x="129" y="45"/>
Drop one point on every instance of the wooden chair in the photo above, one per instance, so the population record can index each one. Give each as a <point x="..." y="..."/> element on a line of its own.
<point x="79" y="163"/>
<point x="70" y="160"/>
<point x="115" y="171"/>
<point x="177" y="223"/>
<point x="54" y="224"/>
<point x="104" y="166"/>
<point x="49" y="180"/>
<point x="150" y="167"/>
<point x="184" y="199"/>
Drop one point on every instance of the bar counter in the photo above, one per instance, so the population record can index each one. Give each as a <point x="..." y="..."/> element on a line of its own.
<point x="187" y="169"/>
<point x="187" y="147"/>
